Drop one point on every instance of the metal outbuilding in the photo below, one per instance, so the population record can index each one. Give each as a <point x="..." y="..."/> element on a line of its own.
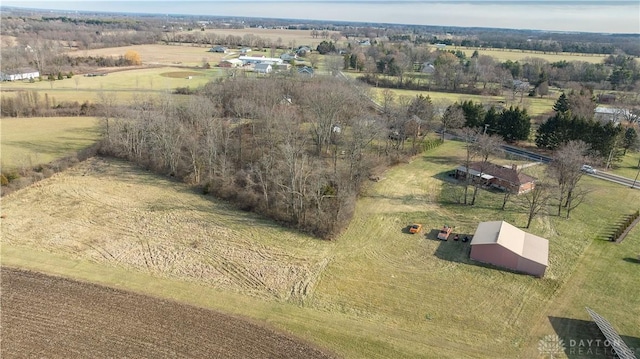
<point x="502" y="244"/>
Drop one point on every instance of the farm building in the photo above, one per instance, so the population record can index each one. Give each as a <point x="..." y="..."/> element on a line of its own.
<point x="500" y="177"/>
<point x="288" y="56"/>
<point x="501" y="244"/>
<point x="230" y="63"/>
<point x="615" y="115"/>
<point x="263" y="68"/>
<point x="427" y="68"/>
<point x="221" y="49"/>
<point x="245" y="50"/>
<point x="305" y="70"/>
<point x="258" y="60"/>
<point x="19" y="74"/>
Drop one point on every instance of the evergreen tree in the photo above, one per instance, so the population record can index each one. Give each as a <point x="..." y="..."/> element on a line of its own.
<point x="630" y="140"/>
<point x="514" y="124"/>
<point x="473" y="113"/>
<point x="491" y="119"/>
<point x="562" y="105"/>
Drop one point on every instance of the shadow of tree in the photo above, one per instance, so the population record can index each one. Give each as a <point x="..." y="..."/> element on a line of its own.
<point x="632" y="260"/>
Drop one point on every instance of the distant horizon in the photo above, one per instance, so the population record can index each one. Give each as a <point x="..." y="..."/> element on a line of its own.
<point x="615" y="17"/>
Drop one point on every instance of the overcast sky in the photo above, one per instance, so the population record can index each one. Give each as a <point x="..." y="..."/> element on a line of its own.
<point x="570" y="15"/>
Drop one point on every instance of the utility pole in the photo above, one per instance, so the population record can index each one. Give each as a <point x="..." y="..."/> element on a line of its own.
<point x="633" y="185"/>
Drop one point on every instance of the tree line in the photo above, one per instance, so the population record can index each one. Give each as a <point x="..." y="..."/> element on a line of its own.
<point x="607" y="141"/>
<point x="295" y="150"/>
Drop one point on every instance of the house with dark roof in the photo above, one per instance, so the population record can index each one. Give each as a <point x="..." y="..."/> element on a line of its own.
<point x="504" y="178"/>
<point x="305" y="70"/>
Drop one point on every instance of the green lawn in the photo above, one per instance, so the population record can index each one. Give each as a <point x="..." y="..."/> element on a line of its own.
<point x="385" y="293"/>
<point x="628" y="167"/>
<point x="27" y="142"/>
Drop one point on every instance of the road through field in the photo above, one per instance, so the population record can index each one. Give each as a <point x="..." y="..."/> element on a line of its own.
<point x="44" y="316"/>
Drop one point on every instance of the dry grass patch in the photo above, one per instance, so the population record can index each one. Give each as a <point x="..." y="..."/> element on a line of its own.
<point x="299" y="37"/>
<point x="503" y="55"/>
<point x="109" y="212"/>
<point x="157" y="54"/>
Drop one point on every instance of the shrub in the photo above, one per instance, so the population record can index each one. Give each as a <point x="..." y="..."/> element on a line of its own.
<point x="3" y="180"/>
<point x="183" y="91"/>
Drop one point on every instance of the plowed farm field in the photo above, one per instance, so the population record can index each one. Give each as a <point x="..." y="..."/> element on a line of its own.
<point x="52" y="317"/>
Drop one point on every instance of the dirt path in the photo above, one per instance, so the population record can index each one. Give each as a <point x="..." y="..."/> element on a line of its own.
<point x="44" y="316"/>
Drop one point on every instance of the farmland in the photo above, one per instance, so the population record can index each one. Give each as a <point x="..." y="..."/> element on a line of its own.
<point x="164" y="55"/>
<point x="503" y="55"/>
<point x="27" y="142"/>
<point x="125" y="325"/>
<point x="286" y="36"/>
<point x="535" y="105"/>
<point x="374" y="292"/>
<point x="125" y="85"/>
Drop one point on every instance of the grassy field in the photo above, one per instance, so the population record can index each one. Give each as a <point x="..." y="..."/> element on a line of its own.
<point x="125" y="84"/>
<point x="168" y="55"/>
<point x="287" y="37"/>
<point x="32" y="141"/>
<point x="375" y="292"/>
<point x="628" y="167"/>
<point x="535" y="105"/>
<point x="503" y="55"/>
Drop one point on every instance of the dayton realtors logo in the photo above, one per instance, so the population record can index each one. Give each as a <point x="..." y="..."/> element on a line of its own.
<point x="551" y="346"/>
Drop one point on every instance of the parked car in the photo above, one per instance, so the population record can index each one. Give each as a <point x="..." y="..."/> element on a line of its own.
<point x="415" y="228"/>
<point x="588" y="169"/>
<point x="444" y="233"/>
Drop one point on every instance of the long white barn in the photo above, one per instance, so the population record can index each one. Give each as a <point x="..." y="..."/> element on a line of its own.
<point x="22" y="74"/>
<point x="260" y="60"/>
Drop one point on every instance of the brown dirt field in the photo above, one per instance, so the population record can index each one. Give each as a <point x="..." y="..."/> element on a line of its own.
<point x="44" y="316"/>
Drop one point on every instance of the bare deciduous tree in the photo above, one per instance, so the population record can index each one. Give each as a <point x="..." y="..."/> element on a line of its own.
<point x="565" y="169"/>
<point x="453" y="118"/>
<point x="536" y="200"/>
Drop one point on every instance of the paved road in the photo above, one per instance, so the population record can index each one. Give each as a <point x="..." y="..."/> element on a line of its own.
<point x="545" y="159"/>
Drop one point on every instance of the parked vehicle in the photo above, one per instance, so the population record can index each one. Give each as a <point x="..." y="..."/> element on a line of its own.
<point x="588" y="169"/>
<point x="415" y="228"/>
<point x="444" y="233"/>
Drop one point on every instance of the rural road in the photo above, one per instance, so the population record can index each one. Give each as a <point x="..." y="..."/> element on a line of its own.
<point x="544" y="159"/>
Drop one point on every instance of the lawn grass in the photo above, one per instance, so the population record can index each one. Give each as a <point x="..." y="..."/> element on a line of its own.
<point x="385" y="293"/>
<point x="27" y="142"/>
<point x="628" y="166"/>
